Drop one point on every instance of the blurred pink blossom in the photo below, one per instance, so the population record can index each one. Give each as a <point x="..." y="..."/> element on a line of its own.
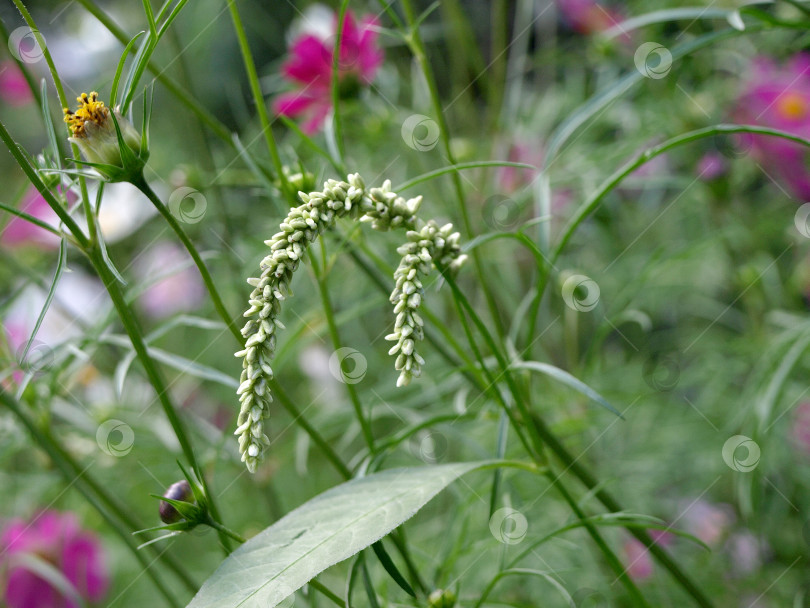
<point x="511" y="179"/>
<point x="779" y="97"/>
<point x="309" y="68"/>
<point x="587" y="16"/>
<point x="637" y="557"/>
<point x="20" y="232"/>
<point x="710" y="522"/>
<point x="55" y="538"/>
<point x="711" y="166"/>
<point x="14" y="89"/>
<point x="746" y="553"/>
<point x="177" y="284"/>
<point x="800" y="430"/>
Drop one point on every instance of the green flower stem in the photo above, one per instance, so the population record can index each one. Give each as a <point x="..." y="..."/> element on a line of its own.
<point x="417" y="47"/>
<point x="335" y="92"/>
<point x="300" y="420"/>
<point x="34" y="178"/>
<point x="321" y="279"/>
<point x="78" y="479"/>
<point x="219" y="129"/>
<point x="141" y="184"/>
<point x="121" y="510"/>
<point x="60" y="91"/>
<point x="595" y="199"/>
<point x="258" y="98"/>
<point x="326" y="592"/>
<point x="542" y="435"/>
<point x="225" y="530"/>
<point x="133" y="329"/>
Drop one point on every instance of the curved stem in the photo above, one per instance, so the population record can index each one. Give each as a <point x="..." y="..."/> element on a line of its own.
<point x="225" y="530"/>
<point x="77" y="479"/>
<point x="154" y="375"/>
<point x="321" y="279"/>
<point x="141" y="184"/>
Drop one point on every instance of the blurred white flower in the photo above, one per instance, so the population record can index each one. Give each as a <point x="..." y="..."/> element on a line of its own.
<point x="176" y="285"/>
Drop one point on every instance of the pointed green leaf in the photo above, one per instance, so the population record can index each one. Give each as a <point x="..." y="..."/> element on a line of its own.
<point x="324" y="531"/>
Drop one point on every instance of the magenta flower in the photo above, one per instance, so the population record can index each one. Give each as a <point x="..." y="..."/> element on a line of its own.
<point x="779" y="97"/>
<point x="20" y="232"/>
<point x="55" y="538"/>
<point x="587" y="16"/>
<point x="711" y="166"/>
<point x="14" y="89"/>
<point x="309" y="68"/>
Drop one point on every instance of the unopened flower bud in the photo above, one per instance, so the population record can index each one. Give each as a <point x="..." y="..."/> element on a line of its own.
<point x="180" y="490"/>
<point x="442" y="598"/>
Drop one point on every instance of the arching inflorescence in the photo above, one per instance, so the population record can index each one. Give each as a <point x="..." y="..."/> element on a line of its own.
<point x="427" y="243"/>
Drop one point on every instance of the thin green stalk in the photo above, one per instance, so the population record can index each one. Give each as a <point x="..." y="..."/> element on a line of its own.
<point x="418" y="49"/>
<point x="258" y="98"/>
<point x="326" y="592"/>
<point x="225" y="530"/>
<point x="219" y="129"/>
<point x="301" y="421"/>
<point x="192" y="250"/>
<point x="123" y="513"/>
<point x="335" y="88"/>
<point x="321" y="279"/>
<point x="60" y="91"/>
<point x="542" y="435"/>
<point x="155" y="377"/>
<point x="593" y="201"/>
<point x="77" y="479"/>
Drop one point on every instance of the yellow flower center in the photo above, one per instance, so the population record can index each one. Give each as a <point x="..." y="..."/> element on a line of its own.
<point x="90" y="109"/>
<point x="792" y="106"/>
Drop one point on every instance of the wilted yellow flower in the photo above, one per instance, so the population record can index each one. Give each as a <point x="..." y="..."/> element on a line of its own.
<point x="93" y="129"/>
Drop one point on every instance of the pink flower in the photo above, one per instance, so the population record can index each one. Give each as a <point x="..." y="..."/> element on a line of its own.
<point x="587" y="16"/>
<point x="14" y="89"/>
<point x="178" y="286"/>
<point x="711" y="166"/>
<point x="20" y="232"/>
<point x="637" y="557"/>
<point x="779" y="97"/>
<point x="309" y="68"/>
<point x="710" y="522"/>
<point x="511" y="179"/>
<point x="800" y="431"/>
<point x="55" y="538"/>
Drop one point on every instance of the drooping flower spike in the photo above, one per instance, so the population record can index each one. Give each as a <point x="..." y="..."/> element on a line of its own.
<point x="107" y="140"/>
<point x="427" y="242"/>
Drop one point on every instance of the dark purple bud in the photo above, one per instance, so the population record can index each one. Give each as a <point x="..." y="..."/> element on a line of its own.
<point x="180" y="490"/>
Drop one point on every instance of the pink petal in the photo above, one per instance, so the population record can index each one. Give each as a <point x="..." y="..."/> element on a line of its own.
<point x="310" y="61"/>
<point x="293" y="104"/>
<point x="25" y="589"/>
<point x="83" y="564"/>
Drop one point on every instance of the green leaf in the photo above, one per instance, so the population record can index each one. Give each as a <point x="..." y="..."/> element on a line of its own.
<point x="328" y="529"/>
<point x="690" y="14"/>
<point x="120" y="69"/>
<point x="60" y="267"/>
<point x="569" y="380"/>
<point x="46" y="116"/>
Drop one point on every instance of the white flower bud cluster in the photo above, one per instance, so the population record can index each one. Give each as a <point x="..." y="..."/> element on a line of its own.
<point x="424" y="247"/>
<point x="301" y="227"/>
<point x="303" y="224"/>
